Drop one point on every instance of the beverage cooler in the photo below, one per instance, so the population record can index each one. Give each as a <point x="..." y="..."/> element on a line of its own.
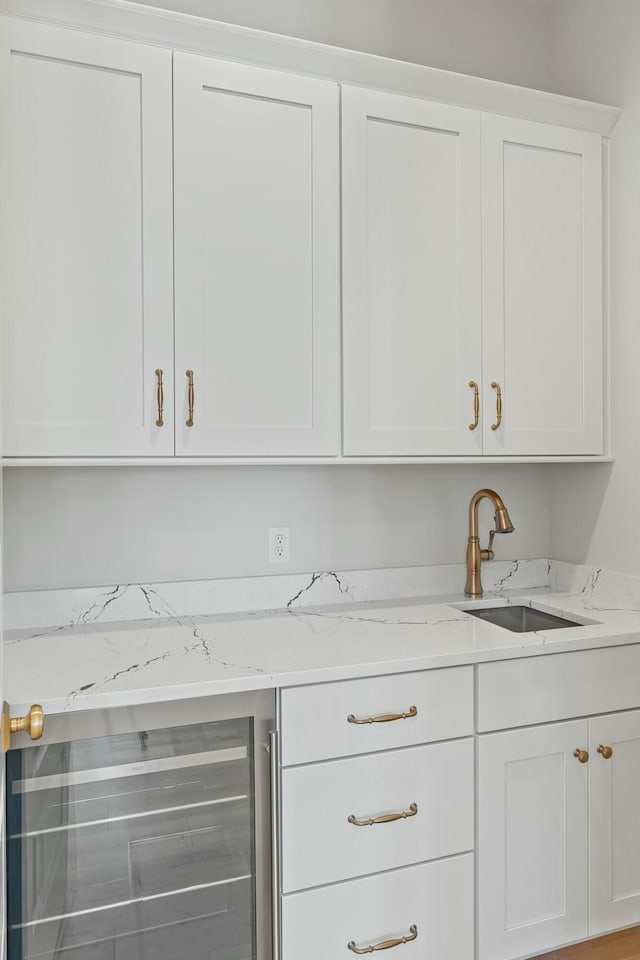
<point x="143" y="834"/>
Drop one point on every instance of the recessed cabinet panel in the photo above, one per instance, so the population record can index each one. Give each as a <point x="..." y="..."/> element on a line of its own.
<point x="534" y="837"/>
<point x="542" y="258"/>
<point x="614" y="822"/>
<point x="412" y="184"/>
<point x="256" y="189"/>
<point x="242" y="214"/>
<point x="87" y="273"/>
<point x="411" y="248"/>
<point x="532" y="851"/>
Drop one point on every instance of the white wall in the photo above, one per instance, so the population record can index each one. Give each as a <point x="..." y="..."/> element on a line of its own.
<point x="595" y="54"/>
<point x="77" y="527"/>
<point x="96" y="526"/>
<point x="501" y="39"/>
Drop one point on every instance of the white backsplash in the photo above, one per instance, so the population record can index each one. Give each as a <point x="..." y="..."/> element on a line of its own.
<point x="136" y="601"/>
<point x="597" y="588"/>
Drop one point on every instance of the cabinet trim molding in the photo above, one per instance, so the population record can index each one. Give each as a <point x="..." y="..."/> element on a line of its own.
<point x="189" y="33"/>
<point x="211" y="461"/>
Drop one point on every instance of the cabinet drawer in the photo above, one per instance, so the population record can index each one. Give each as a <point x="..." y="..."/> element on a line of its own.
<point x="320" y="845"/>
<point x="315" y="725"/>
<point x="516" y="693"/>
<point x="435" y="897"/>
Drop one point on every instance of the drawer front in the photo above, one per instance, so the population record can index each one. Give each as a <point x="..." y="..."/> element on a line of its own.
<point x="516" y="693"/>
<point x="436" y="898"/>
<point x="319" y="843"/>
<point x="315" y="725"/>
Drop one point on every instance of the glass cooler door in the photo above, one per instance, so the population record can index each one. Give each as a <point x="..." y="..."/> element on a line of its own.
<point x="135" y="846"/>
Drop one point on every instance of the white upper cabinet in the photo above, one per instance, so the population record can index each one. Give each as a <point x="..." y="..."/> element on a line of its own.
<point x="417" y="328"/>
<point x="86" y="249"/>
<point x="257" y="314"/>
<point x="542" y="264"/>
<point x="411" y="194"/>
<point x="471" y="254"/>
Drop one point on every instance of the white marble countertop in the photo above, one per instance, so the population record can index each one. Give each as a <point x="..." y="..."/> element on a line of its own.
<point x="120" y="664"/>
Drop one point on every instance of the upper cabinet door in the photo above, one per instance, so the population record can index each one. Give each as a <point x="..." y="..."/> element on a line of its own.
<point x="412" y="275"/>
<point x="542" y="260"/>
<point x="86" y="251"/>
<point x="256" y="261"/>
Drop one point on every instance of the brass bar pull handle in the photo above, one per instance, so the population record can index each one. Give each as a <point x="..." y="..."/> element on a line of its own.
<point x="385" y="717"/>
<point x="581" y="755"/>
<point x="32" y="723"/>
<point x="160" y="421"/>
<point x="606" y="752"/>
<point x="386" y="944"/>
<point x="192" y="397"/>
<point x="386" y="818"/>
<point x="496" y="386"/>
<point x="476" y="405"/>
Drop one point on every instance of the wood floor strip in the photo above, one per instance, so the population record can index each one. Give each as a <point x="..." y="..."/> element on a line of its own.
<point x="617" y="946"/>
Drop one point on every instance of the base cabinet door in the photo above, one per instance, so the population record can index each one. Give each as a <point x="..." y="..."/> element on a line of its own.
<point x="257" y="308"/>
<point x="614" y="822"/>
<point x="86" y="256"/>
<point x="532" y="830"/>
<point x="542" y="288"/>
<point x="431" y="905"/>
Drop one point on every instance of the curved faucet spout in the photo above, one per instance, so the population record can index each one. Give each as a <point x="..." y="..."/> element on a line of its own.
<point x="475" y="555"/>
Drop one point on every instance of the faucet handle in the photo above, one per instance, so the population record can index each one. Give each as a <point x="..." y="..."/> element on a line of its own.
<point x="488" y="554"/>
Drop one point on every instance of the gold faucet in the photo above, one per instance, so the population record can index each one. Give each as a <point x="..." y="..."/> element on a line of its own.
<point x="475" y="555"/>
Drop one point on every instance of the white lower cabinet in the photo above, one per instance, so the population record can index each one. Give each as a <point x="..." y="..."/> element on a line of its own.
<point x="376" y="847"/>
<point x="425" y="793"/>
<point x="558" y="834"/>
<point x="532" y="852"/>
<point x="614" y="821"/>
<point x="430" y="904"/>
<point x="351" y="717"/>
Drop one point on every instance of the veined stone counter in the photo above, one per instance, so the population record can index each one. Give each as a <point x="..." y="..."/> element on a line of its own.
<point x="102" y="665"/>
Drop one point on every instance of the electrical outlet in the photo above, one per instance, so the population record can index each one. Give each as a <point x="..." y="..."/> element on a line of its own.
<point x="279" y="545"/>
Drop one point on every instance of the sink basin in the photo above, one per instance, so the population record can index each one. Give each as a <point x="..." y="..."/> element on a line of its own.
<point x="522" y="619"/>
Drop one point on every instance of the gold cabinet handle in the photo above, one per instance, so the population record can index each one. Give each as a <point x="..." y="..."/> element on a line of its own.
<point x="160" y="421"/>
<point x="192" y="398"/>
<point x="32" y="723"/>
<point x="385" y="717"/>
<point x="476" y="405"/>
<point x="386" y="818"/>
<point x="385" y="944"/>
<point x="606" y="752"/>
<point x="582" y="755"/>
<point x="496" y="386"/>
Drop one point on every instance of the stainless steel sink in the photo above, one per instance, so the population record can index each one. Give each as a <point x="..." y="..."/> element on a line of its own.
<point x="522" y="619"/>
